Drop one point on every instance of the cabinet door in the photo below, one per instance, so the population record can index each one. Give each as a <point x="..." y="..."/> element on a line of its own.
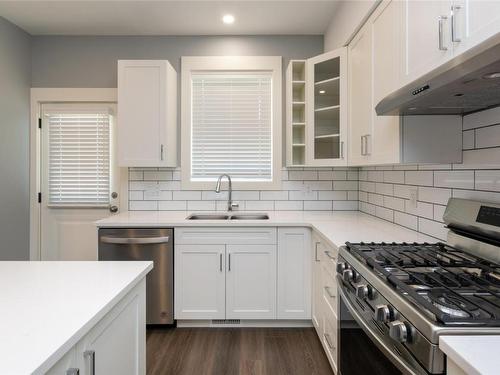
<point x="473" y="22"/>
<point x="251" y="282"/>
<point x="118" y="341"/>
<point x="327" y="109"/>
<point x="317" y="285"/>
<point x="294" y="273"/>
<point x="146" y="107"/>
<point x="387" y="60"/>
<point x="360" y="96"/>
<point x="199" y="282"/>
<point x="68" y="361"/>
<point x="421" y="29"/>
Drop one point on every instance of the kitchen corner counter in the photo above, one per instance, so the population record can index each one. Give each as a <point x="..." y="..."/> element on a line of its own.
<point x="471" y="355"/>
<point x="336" y="227"/>
<point x="47" y="307"/>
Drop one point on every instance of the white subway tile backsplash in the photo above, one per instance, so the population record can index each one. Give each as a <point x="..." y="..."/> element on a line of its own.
<point x="280" y="195"/>
<point x="135" y="195"/>
<point x="376" y="176"/>
<point x="345" y="185"/>
<point x="422" y="209"/>
<point x="332" y="175"/>
<point x="468" y="140"/>
<point x="432" y="228"/>
<point x="172" y="206"/>
<point x="170" y="185"/>
<point x="434" y="195"/>
<point x="488" y="137"/>
<point x="394" y="203"/>
<point x="143" y="205"/>
<point x="318" y="205"/>
<point x="345" y="205"/>
<point x="303" y="195"/>
<point x="134" y="175"/>
<point x="210" y="195"/>
<point x="258" y="205"/>
<point x="302" y="175"/>
<point x="246" y="195"/>
<point x="186" y="195"/>
<point x="384" y="213"/>
<point x="485" y="196"/>
<point x="455" y="179"/>
<point x="376" y="199"/>
<point x="487" y="180"/>
<point x="157" y="175"/>
<point x="395" y="177"/>
<point x="201" y="205"/>
<point x="486" y="158"/>
<point x="332" y="195"/>
<point x="419" y="178"/>
<point x="382" y="188"/>
<point x="483" y="118"/>
<point x="406" y="220"/>
<point x="439" y="212"/>
<point x="288" y="205"/>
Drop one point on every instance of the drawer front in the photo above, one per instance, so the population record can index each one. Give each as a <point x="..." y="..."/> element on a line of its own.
<point x="329" y="290"/>
<point x="329" y="256"/>
<point x="224" y="235"/>
<point x="330" y="339"/>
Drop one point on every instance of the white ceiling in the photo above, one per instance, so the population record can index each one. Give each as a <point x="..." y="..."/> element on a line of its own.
<point x="165" y="17"/>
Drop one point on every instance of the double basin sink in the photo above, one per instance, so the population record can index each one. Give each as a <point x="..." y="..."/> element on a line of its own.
<point x="241" y="216"/>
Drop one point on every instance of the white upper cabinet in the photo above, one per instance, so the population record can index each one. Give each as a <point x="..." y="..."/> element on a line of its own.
<point x="326" y="120"/>
<point x="360" y="96"/>
<point x="426" y="36"/>
<point x="147" y="114"/>
<point x="472" y="22"/>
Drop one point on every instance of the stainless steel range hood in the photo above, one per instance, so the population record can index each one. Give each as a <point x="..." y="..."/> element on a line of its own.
<point x="465" y="84"/>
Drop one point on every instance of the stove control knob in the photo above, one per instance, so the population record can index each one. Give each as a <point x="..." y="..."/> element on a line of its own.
<point x="399" y="331"/>
<point x="362" y="291"/>
<point x="347" y="275"/>
<point x="341" y="267"/>
<point x="382" y="313"/>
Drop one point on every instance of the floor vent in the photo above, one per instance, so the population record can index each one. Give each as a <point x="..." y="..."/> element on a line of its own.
<point x="225" y="321"/>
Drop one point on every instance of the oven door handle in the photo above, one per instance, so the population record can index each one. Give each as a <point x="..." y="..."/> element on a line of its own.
<point x="403" y="366"/>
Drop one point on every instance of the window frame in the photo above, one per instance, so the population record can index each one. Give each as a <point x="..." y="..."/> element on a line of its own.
<point x="220" y="64"/>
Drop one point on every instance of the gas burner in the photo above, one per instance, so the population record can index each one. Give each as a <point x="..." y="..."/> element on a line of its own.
<point x="452" y="305"/>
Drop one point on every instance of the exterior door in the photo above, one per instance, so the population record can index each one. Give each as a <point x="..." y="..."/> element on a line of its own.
<point x="251" y="282"/>
<point x="79" y="178"/>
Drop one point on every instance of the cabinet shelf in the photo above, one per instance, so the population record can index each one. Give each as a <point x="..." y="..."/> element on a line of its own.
<point x="327" y="81"/>
<point x="326" y="136"/>
<point x="330" y="108"/>
<point x="298" y="144"/>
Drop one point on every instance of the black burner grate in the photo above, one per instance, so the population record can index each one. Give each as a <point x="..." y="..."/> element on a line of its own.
<point x="456" y="288"/>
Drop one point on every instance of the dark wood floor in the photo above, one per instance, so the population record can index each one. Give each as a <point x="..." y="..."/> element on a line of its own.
<point x="235" y="351"/>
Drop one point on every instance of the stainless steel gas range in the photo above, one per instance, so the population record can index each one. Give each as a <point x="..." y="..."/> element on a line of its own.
<point x="398" y="298"/>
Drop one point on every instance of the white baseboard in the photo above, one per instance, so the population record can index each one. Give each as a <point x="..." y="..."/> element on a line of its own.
<point x="234" y="323"/>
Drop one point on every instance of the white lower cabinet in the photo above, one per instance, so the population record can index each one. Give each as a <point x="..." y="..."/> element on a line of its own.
<point x="251" y="282"/>
<point x="294" y="273"/>
<point x="325" y="300"/>
<point x="115" y="345"/>
<point x="200" y="281"/>
<point x="253" y="273"/>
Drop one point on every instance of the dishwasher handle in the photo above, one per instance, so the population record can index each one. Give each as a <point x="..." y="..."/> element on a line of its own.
<point x="134" y="240"/>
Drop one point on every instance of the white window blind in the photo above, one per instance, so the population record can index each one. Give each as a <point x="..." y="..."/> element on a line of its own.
<point x="232" y="126"/>
<point x="78" y="158"/>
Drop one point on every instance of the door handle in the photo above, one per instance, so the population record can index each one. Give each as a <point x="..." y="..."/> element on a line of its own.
<point x="220" y="262"/>
<point x="134" y="241"/>
<point x="342" y="149"/>
<point x="73" y="371"/>
<point x="441" y="45"/>
<point x="330" y="255"/>
<point x="327" y="290"/>
<point x="362" y="145"/>
<point x="229" y="262"/>
<point x="454" y="10"/>
<point x="161" y="152"/>
<point x="89" y="355"/>
<point x="366" y="144"/>
<point x="316" y="252"/>
<point x="328" y="340"/>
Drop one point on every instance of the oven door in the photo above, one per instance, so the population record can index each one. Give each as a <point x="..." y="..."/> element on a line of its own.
<point x="362" y="350"/>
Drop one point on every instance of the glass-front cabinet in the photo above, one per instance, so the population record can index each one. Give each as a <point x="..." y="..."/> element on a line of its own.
<point x="326" y="110"/>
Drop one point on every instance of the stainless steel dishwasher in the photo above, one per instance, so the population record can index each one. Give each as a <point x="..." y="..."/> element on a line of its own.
<point x="157" y="245"/>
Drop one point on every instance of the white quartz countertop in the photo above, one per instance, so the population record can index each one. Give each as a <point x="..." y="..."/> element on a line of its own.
<point x="475" y="355"/>
<point x="47" y="307"/>
<point x="336" y="227"/>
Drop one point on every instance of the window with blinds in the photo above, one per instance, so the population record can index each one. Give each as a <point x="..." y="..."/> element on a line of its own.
<point x="78" y="157"/>
<point x="231" y="119"/>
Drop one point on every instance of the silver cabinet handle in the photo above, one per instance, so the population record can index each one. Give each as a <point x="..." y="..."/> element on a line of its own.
<point x="133" y="240"/>
<point x="342" y="149"/>
<point x="316" y="252"/>
<point x="161" y="152"/>
<point x="366" y="144"/>
<point x="441" y="20"/>
<point x="327" y="290"/>
<point x="220" y="262"/>
<point x="328" y="340"/>
<point x="89" y="355"/>
<point x="362" y="143"/>
<point x="73" y="371"/>
<point x="454" y="11"/>
<point x="229" y="261"/>
<point x="330" y="255"/>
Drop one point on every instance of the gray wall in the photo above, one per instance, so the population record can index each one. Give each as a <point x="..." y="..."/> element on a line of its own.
<point x="15" y="80"/>
<point x="68" y="61"/>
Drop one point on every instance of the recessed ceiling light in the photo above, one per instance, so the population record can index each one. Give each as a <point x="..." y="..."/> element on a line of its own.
<point x="322" y="91"/>
<point x="228" y="19"/>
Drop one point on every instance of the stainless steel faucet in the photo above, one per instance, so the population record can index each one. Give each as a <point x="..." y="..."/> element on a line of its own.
<point x="230" y="204"/>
